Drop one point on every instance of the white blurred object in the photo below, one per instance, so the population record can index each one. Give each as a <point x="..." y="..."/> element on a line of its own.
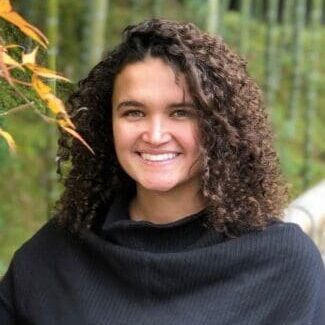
<point x="308" y="211"/>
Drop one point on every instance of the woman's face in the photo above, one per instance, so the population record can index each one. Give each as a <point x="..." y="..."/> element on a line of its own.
<point x="155" y="127"/>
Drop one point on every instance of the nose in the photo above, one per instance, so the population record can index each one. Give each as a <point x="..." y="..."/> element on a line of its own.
<point x="156" y="132"/>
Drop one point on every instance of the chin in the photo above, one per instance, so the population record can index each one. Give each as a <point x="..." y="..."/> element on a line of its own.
<point x="159" y="187"/>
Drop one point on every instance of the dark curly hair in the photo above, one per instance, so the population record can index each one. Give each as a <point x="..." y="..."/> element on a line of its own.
<point x="241" y="180"/>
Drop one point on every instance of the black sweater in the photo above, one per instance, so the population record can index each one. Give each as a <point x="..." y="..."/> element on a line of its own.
<point x="179" y="273"/>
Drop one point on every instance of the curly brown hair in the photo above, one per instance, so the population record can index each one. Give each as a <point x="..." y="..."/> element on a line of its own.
<point x="241" y="181"/>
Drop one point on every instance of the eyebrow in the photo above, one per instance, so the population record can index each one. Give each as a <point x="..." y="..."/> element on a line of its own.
<point x="134" y="103"/>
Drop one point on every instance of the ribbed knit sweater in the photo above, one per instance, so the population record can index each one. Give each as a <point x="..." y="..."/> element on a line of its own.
<point x="137" y="272"/>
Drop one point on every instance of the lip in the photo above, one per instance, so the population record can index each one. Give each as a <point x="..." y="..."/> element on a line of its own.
<point x="156" y="152"/>
<point x="157" y="163"/>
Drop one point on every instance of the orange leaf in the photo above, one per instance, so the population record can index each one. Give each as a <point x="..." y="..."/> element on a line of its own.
<point x="77" y="136"/>
<point x="10" y="141"/>
<point x="7" y="13"/>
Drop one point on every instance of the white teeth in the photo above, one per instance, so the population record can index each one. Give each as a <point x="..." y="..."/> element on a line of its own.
<point x="161" y="157"/>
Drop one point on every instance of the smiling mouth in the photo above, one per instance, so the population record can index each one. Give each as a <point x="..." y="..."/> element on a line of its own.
<point x="158" y="157"/>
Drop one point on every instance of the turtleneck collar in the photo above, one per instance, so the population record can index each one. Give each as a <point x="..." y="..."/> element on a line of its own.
<point x="182" y="234"/>
<point x="182" y="257"/>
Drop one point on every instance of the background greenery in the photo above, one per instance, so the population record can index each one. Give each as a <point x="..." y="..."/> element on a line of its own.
<point x="283" y="42"/>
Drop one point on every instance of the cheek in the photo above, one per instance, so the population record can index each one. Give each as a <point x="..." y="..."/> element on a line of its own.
<point x="124" y="136"/>
<point x="117" y="133"/>
<point x="119" y="138"/>
<point x="190" y="139"/>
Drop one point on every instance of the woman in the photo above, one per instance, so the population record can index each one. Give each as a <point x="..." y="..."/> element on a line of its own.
<point x="176" y="218"/>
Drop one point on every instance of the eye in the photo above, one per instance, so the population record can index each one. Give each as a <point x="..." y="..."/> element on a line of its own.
<point x="182" y="113"/>
<point x="132" y="113"/>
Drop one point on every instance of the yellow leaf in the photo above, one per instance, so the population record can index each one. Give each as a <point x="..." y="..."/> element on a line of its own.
<point x="77" y="136"/>
<point x="44" y="72"/>
<point x="10" y="141"/>
<point x="10" y="46"/>
<point x="5" y="6"/>
<point x="30" y="57"/>
<point x="7" y="13"/>
<point x="7" y="59"/>
<point x="66" y="123"/>
<point x="3" y="67"/>
<point x="44" y="91"/>
<point x="57" y="107"/>
<point x="54" y="103"/>
<point x="41" y="88"/>
<point x="29" y="60"/>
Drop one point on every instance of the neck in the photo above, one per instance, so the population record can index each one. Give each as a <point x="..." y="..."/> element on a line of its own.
<point x="166" y="207"/>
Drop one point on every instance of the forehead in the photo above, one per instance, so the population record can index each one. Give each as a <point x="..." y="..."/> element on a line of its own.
<point x="148" y="78"/>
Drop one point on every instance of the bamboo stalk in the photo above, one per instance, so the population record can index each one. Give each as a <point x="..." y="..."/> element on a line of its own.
<point x="197" y="12"/>
<point x="312" y="89"/>
<point x="271" y="52"/>
<point x="136" y="8"/>
<point x="300" y="9"/>
<point x="245" y="9"/>
<point x="157" y="7"/>
<point x="223" y="10"/>
<point x="93" y="39"/>
<point x="285" y="65"/>
<point x="286" y="31"/>
<point x="257" y="9"/>
<point x="213" y="19"/>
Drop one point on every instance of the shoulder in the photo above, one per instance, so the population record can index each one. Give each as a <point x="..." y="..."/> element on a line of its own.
<point x="50" y="234"/>
<point x="296" y="263"/>
<point x="291" y="253"/>
<point x="33" y="262"/>
<point x="288" y="266"/>
<point x="290" y="239"/>
<point x="49" y="245"/>
<point x="45" y="256"/>
<point x="285" y="249"/>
